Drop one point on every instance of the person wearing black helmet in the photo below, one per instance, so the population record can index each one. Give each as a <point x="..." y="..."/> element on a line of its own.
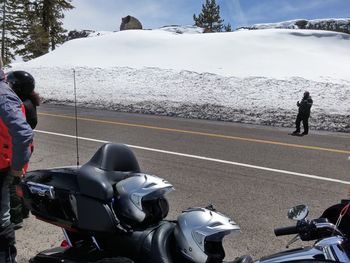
<point x="23" y="84"/>
<point x="303" y="114"/>
<point x="15" y="139"/>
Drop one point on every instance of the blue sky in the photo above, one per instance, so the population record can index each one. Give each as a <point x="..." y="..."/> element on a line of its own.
<point x="107" y="14"/>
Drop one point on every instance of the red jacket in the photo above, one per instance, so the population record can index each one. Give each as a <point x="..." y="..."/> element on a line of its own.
<point x="6" y="145"/>
<point x="15" y="133"/>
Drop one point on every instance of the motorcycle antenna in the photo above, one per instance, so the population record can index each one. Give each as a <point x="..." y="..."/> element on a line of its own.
<point x="76" y="118"/>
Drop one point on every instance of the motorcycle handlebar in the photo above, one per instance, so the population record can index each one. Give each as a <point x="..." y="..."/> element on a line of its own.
<point x="283" y="231"/>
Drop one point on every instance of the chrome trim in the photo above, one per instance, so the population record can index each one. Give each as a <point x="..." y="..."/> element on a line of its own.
<point x="333" y="248"/>
<point x="66" y="237"/>
<point x="95" y="242"/>
<point x="41" y="189"/>
<point x="342" y="256"/>
<point x="300" y="254"/>
<point x="331" y="226"/>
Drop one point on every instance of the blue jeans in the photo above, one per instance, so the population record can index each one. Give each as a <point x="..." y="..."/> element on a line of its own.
<point x="7" y="234"/>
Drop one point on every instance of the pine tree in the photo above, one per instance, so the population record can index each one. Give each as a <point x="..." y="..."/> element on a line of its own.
<point x="209" y="18"/>
<point x="10" y="25"/>
<point x="52" y="16"/>
<point x="43" y="27"/>
<point x="228" y="28"/>
<point x="32" y="39"/>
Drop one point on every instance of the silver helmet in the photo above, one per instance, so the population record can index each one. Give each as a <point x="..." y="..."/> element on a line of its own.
<point x="140" y="200"/>
<point x="199" y="234"/>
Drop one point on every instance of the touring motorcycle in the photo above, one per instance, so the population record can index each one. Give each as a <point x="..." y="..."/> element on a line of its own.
<point x="111" y="212"/>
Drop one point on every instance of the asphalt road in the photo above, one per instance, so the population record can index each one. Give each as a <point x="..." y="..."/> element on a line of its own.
<point x="254" y="174"/>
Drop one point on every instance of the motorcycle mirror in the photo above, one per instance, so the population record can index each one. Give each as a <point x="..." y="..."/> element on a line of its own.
<point x="298" y="212"/>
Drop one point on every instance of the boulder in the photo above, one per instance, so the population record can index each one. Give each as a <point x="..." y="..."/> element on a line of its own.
<point x="130" y="22"/>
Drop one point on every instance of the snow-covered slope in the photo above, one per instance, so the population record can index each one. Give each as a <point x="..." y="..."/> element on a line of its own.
<point x="267" y="53"/>
<point x="331" y="24"/>
<point x="247" y="76"/>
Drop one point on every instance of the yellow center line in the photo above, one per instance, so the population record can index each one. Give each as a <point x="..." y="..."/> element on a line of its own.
<point x="201" y="133"/>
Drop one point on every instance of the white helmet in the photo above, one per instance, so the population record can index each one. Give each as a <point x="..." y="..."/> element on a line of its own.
<point x="199" y="234"/>
<point x="140" y="200"/>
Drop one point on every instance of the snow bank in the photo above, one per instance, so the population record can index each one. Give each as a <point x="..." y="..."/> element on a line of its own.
<point x="264" y="53"/>
<point x="247" y="76"/>
<point x="189" y="94"/>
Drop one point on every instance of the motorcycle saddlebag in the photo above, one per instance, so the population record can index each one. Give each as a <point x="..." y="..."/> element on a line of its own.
<point x="65" y="197"/>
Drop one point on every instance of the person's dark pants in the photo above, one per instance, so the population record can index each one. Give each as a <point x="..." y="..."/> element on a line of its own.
<point x="8" y="250"/>
<point x="305" y="120"/>
<point x="18" y="209"/>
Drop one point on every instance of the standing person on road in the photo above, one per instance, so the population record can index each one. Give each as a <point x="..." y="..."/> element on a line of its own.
<point x="23" y="84"/>
<point x="15" y="138"/>
<point x="303" y="114"/>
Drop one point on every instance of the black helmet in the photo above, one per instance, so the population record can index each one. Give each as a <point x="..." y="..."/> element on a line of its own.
<point x="21" y="82"/>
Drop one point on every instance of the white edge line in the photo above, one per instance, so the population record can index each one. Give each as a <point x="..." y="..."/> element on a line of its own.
<point x="310" y="176"/>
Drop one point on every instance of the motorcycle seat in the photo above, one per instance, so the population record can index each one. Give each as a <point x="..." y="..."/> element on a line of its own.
<point x="162" y="241"/>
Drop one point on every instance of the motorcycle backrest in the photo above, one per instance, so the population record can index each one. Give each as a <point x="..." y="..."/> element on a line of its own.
<point x="115" y="157"/>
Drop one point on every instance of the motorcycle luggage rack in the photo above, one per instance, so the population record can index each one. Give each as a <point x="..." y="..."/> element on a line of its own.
<point x="41" y="189"/>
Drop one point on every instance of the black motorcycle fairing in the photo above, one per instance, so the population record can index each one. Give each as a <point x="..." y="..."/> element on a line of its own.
<point x="332" y="214"/>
